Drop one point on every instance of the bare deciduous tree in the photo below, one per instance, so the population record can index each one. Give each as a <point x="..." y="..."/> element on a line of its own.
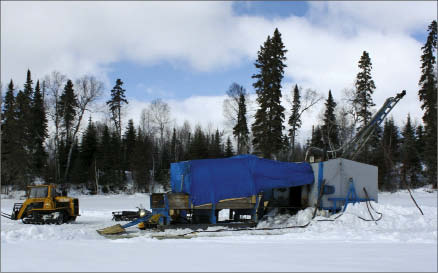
<point x="184" y="133"/>
<point x="347" y="115"/>
<point x="53" y="84"/>
<point x="146" y="123"/>
<point x="88" y="89"/>
<point x="230" y="106"/>
<point x="160" y="113"/>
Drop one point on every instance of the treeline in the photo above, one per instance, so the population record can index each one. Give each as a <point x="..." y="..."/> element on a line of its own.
<point x="405" y="156"/>
<point x="103" y="157"/>
<point x="44" y="136"/>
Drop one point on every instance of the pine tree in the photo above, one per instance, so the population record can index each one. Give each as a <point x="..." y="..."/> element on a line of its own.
<point x="40" y="132"/>
<point x="421" y="143"/>
<point x="63" y="152"/>
<point x="391" y="138"/>
<point x="78" y="174"/>
<point x="68" y="104"/>
<point x="25" y="135"/>
<point x="26" y="111"/>
<point x="10" y="163"/>
<point x="210" y="146"/>
<point x="375" y="155"/>
<point x="67" y="110"/>
<point x="240" y="131"/>
<point x="428" y="97"/>
<point x="129" y="143"/>
<point x="330" y="127"/>
<point x="163" y="174"/>
<point x="216" y="145"/>
<point x="173" y="146"/>
<point x="409" y="156"/>
<point x="317" y="140"/>
<point x="142" y="161"/>
<point x="116" y="158"/>
<point x="89" y="151"/>
<point x="24" y="101"/>
<point x="268" y="125"/>
<point x="105" y="158"/>
<point x="364" y="89"/>
<point x="229" y="148"/>
<point x="198" y="145"/>
<point x="390" y="150"/>
<point x="295" y="119"/>
<point x="115" y="105"/>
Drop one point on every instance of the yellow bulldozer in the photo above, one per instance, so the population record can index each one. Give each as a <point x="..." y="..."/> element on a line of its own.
<point x="45" y="205"/>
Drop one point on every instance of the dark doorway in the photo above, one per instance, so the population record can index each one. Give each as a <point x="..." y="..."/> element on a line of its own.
<point x="295" y="199"/>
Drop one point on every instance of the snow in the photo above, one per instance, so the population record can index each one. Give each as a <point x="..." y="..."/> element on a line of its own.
<point x="403" y="240"/>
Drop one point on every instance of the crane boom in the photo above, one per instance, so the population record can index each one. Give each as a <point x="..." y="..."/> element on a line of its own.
<point x="352" y="148"/>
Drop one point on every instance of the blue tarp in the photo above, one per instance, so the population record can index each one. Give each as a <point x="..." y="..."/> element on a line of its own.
<point x="211" y="180"/>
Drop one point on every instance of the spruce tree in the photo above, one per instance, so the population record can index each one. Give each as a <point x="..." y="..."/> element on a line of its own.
<point x="317" y="141"/>
<point x="129" y="143"/>
<point x="428" y="97"/>
<point x="25" y="133"/>
<point x="240" y="131"/>
<point x="421" y="143"/>
<point x="391" y="138"/>
<point x="26" y="112"/>
<point x="364" y="89"/>
<point x="116" y="158"/>
<point x="24" y="102"/>
<point x="173" y="146"/>
<point x="409" y="156"/>
<point x="68" y="104"/>
<point x="115" y="105"/>
<point x="40" y="132"/>
<point x="164" y="166"/>
<point x="105" y="157"/>
<point x="295" y="119"/>
<point x="89" y="151"/>
<point x="142" y="161"/>
<point x="330" y="127"/>
<point x="375" y="155"/>
<point x="67" y="111"/>
<point x="229" y="148"/>
<point x="217" y="145"/>
<point x="268" y="125"/>
<point x="390" y="154"/>
<point x="198" y="145"/>
<point x="317" y="138"/>
<point x="10" y="163"/>
<point x="78" y="174"/>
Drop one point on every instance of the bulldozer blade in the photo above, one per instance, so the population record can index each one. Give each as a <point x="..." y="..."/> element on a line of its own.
<point x="9" y="216"/>
<point x="116" y="229"/>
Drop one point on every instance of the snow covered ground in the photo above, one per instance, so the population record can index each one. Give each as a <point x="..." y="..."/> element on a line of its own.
<point x="403" y="240"/>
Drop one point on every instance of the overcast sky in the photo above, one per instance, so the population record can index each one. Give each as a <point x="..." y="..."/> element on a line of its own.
<point x="188" y="53"/>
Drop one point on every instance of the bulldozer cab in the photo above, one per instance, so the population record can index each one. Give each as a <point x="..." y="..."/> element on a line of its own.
<point x="38" y="191"/>
<point x="42" y="191"/>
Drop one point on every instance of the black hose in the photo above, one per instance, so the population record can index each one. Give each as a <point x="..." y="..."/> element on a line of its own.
<point x="368" y="203"/>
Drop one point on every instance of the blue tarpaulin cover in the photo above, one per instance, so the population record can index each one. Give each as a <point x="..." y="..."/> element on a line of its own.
<point x="212" y="180"/>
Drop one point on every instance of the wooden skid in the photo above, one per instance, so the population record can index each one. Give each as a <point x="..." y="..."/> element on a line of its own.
<point x="181" y="201"/>
<point x="230" y="226"/>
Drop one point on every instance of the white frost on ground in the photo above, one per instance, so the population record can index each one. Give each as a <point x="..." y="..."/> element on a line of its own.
<point x="403" y="240"/>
